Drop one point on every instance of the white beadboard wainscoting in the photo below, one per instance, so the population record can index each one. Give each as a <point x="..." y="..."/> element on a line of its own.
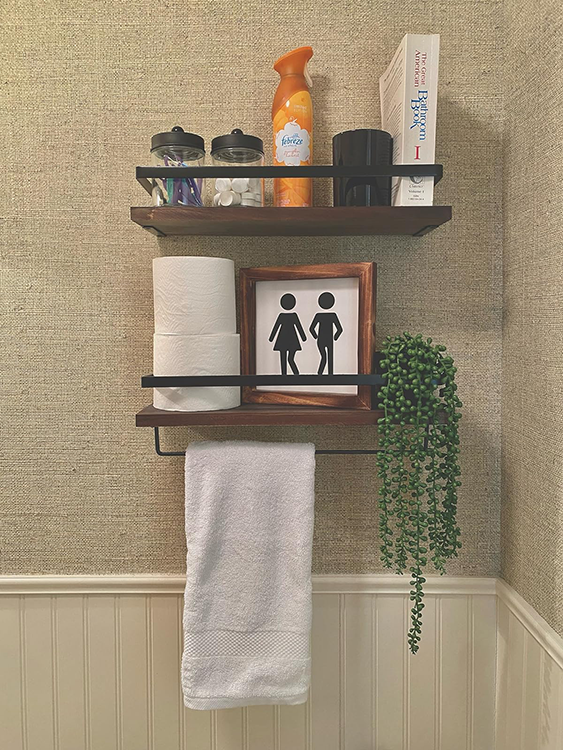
<point x="92" y="663"/>
<point x="529" y="677"/>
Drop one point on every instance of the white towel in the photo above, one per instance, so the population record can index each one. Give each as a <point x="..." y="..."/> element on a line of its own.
<point x="247" y="606"/>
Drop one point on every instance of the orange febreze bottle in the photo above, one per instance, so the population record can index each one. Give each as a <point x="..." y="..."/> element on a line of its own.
<point x="292" y="116"/>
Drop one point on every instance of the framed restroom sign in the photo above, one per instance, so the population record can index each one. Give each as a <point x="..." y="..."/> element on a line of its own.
<point x="308" y="320"/>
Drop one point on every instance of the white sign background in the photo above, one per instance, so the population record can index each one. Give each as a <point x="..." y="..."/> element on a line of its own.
<point x="306" y="292"/>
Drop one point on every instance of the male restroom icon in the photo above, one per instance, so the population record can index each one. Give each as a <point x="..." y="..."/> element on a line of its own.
<point x="326" y="329"/>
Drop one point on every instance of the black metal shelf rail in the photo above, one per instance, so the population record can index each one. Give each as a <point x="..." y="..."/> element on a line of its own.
<point x="198" y="381"/>
<point x="193" y="381"/>
<point x="145" y="174"/>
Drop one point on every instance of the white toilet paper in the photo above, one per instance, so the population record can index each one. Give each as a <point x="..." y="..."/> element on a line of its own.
<point x="196" y="355"/>
<point x="194" y="295"/>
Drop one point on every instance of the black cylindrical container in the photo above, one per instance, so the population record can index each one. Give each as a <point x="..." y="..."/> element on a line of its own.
<point x="355" y="148"/>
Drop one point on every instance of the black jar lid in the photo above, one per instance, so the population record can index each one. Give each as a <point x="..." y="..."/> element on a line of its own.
<point x="239" y="140"/>
<point x="177" y="137"/>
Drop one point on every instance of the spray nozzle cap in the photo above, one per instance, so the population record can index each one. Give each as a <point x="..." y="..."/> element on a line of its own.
<point x="294" y="62"/>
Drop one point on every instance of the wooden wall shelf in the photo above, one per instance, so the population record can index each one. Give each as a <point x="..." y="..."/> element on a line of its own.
<point x="267" y="221"/>
<point x="258" y="415"/>
<point x="271" y="221"/>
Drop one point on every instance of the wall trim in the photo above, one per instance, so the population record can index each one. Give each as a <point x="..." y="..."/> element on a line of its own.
<point x="59" y="585"/>
<point x="537" y="627"/>
<point x="395" y="584"/>
<point x="111" y="585"/>
<point x="94" y="661"/>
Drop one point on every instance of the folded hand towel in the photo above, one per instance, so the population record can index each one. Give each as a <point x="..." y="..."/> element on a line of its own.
<point x="247" y="606"/>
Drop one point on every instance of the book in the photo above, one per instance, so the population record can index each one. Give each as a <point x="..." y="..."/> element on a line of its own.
<point x="408" y="91"/>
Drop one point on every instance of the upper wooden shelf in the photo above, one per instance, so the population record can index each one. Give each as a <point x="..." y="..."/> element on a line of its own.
<point x="258" y="415"/>
<point x="271" y="221"/>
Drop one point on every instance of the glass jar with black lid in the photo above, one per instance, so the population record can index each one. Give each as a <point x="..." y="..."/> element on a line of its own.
<point x="237" y="150"/>
<point x="177" y="148"/>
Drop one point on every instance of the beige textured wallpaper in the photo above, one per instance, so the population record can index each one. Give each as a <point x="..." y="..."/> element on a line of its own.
<point x="85" y="84"/>
<point x="532" y="514"/>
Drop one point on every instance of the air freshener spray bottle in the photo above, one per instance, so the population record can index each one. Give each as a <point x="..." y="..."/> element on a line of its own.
<point x="292" y="116"/>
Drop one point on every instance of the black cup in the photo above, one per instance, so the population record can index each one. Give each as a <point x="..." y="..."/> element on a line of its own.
<point x="355" y="148"/>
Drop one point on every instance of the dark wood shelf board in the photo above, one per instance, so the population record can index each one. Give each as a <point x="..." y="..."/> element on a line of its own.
<point x="258" y="415"/>
<point x="272" y="221"/>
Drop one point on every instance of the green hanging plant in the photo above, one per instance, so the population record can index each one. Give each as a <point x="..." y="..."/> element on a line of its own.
<point x="418" y="464"/>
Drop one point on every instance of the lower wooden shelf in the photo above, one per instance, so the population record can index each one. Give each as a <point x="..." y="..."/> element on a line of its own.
<point x="258" y="415"/>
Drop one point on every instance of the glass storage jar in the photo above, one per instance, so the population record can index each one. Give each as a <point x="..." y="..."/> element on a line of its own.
<point x="237" y="150"/>
<point x="177" y="149"/>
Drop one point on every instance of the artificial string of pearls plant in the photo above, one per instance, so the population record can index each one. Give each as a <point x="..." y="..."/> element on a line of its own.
<point x="419" y="458"/>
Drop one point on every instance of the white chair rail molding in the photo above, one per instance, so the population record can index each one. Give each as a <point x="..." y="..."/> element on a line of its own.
<point x="91" y="662"/>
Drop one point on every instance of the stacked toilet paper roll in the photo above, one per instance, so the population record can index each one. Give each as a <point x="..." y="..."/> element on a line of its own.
<point x="195" y="330"/>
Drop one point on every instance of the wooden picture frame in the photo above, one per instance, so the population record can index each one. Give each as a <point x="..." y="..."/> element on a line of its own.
<point x="366" y="273"/>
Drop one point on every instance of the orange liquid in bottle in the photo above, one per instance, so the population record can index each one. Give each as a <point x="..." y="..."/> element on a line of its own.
<point x="292" y="117"/>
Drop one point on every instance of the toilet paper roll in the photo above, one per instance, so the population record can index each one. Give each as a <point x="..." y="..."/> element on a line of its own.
<point x="196" y="355"/>
<point x="194" y="296"/>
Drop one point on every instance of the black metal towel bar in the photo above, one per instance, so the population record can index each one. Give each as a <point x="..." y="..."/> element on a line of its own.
<point x="372" y="452"/>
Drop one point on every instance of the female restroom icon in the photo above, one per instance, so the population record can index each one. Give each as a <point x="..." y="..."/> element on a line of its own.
<point x="288" y="329"/>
